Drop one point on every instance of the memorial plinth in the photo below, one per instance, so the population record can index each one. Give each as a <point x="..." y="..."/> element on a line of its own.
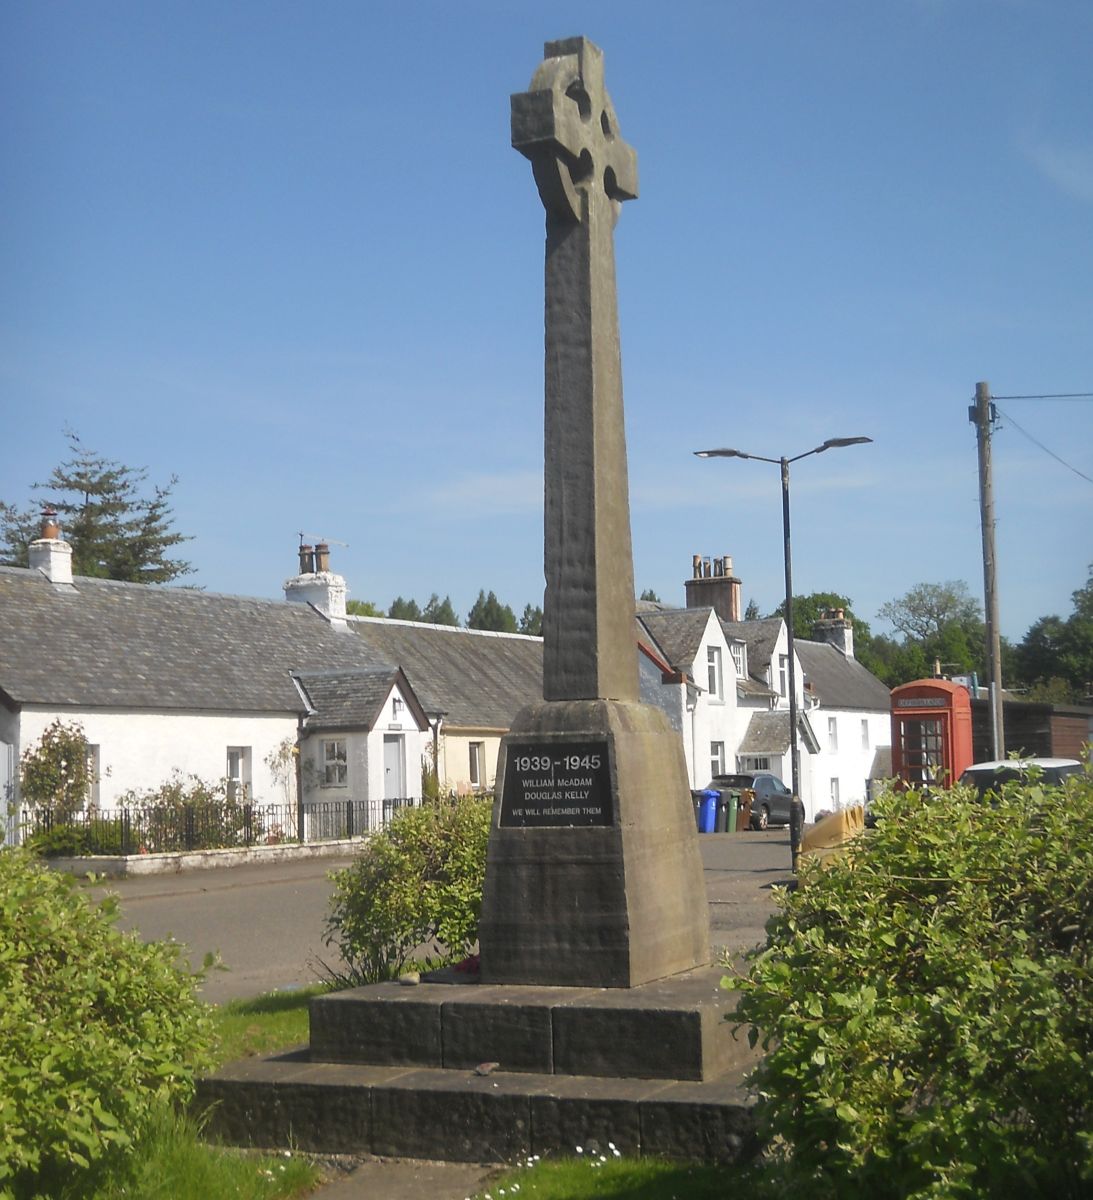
<point x="593" y="876"/>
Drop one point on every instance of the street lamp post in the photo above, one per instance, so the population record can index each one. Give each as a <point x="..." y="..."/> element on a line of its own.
<point x="797" y="809"/>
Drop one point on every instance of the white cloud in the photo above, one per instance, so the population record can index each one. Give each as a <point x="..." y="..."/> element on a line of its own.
<point x="496" y="494"/>
<point x="1069" y="168"/>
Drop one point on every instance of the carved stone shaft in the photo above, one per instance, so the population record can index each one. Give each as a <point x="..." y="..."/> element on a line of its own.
<point x="565" y="124"/>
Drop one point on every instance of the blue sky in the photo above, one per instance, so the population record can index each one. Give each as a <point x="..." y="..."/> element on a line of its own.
<point x="287" y="253"/>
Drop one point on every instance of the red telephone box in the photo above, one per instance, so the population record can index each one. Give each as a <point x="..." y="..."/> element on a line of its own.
<point x="931" y="732"/>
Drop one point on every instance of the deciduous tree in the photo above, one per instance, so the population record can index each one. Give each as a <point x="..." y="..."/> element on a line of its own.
<point x="928" y="608"/>
<point x="362" y="608"/>
<point x="1056" y="656"/>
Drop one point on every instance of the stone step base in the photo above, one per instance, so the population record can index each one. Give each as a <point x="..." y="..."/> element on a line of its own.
<point x="674" y="1028"/>
<point x="460" y="1116"/>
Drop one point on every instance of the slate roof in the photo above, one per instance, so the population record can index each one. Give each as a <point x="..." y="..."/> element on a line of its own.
<point x="761" y="638"/>
<point x="768" y="733"/>
<point x="677" y="632"/>
<point x="479" y="680"/>
<point x="350" y="699"/>
<point x="841" y="682"/>
<point x="106" y="644"/>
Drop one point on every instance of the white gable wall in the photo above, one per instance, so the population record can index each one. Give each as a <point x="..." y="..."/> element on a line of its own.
<point x="850" y="764"/>
<point x="716" y="718"/>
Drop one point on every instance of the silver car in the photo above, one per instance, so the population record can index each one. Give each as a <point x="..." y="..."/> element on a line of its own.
<point x="990" y="776"/>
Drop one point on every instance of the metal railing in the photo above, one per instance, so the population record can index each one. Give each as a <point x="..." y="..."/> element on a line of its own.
<point x="214" y="826"/>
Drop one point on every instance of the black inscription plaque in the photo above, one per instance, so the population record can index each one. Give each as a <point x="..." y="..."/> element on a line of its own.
<point x="557" y="783"/>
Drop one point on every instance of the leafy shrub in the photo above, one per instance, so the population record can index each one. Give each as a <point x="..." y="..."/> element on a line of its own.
<point x="926" y="1003"/>
<point x="97" y="1032"/>
<point x="56" y="773"/>
<point x="416" y="883"/>
<point x="187" y="812"/>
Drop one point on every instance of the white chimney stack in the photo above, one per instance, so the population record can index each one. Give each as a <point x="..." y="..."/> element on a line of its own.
<point x="317" y="585"/>
<point x="50" y="554"/>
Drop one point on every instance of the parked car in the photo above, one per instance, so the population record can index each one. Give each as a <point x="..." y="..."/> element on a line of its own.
<point x="990" y="776"/>
<point x="772" y="797"/>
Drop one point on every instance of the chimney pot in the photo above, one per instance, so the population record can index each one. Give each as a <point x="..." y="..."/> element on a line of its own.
<point x="713" y="585"/>
<point x="307" y="559"/>
<point x="322" y="556"/>
<point x="50" y="528"/>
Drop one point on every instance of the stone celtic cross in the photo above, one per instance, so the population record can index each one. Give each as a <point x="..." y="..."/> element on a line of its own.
<point x="566" y="125"/>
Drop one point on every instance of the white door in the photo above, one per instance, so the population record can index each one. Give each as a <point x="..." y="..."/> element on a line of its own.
<point x="394" y="766"/>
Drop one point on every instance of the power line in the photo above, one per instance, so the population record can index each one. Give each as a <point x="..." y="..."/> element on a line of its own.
<point x="1050" y="396"/>
<point x="1041" y="444"/>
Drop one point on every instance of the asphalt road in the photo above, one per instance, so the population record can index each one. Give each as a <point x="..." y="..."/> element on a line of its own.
<point x="266" y="921"/>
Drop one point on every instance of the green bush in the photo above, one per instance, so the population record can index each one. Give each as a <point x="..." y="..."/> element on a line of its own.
<point x="97" y="1032"/>
<point x="925" y="1003"/>
<point x="187" y="812"/>
<point x="416" y="883"/>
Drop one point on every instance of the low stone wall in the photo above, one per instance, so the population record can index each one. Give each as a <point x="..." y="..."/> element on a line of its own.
<point x="121" y="866"/>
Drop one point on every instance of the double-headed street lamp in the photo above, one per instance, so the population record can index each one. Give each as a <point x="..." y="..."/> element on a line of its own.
<point x="783" y="462"/>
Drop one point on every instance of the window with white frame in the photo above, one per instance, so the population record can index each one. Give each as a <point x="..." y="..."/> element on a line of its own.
<point x="753" y="762"/>
<point x="835" y="792"/>
<point x="335" y="763"/>
<point x="833" y="734"/>
<point x="864" y="734"/>
<point x="714" y="670"/>
<point x="478" y="765"/>
<point x="783" y="674"/>
<point x="738" y="650"/>
<point x="238" y="773"/>
<point x="717" y="758"/>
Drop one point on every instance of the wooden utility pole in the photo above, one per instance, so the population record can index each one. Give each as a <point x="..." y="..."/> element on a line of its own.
<point x="982" y="415"/>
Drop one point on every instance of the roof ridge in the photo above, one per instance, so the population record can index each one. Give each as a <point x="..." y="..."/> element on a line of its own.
<point x="489" y="633"/>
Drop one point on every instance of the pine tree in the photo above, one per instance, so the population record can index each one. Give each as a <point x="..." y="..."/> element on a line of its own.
<point x="439" y="612"/>
<point x="532" y="620"/>
<point x="115" y="532"/>
<point x="404" y="610"/>
<point x="489" y="613"/>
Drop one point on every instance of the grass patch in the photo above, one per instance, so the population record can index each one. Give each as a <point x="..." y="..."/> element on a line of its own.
<point x="173" y="1163"/>
<point x="264" y="1025"/>
<point x="605" y="1177"/>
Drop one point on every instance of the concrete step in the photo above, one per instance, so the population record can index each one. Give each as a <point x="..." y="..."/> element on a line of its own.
<point x="463" y="1116"/>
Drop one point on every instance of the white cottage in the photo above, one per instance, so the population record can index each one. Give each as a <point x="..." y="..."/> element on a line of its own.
<point x="163" y="679"/>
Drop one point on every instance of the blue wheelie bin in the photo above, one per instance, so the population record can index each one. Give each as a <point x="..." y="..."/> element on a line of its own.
<point x="707" y="810"/>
